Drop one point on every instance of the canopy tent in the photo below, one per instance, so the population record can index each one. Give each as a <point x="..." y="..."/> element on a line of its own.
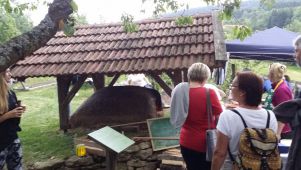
<point x="272" y="44"/>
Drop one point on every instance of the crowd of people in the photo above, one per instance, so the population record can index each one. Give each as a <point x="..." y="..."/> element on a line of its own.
<point x="280" y="113"/>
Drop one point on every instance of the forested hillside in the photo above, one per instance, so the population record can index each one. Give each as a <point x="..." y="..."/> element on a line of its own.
<point x="283" y="14"/>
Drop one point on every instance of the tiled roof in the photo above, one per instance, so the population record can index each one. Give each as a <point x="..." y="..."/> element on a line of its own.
<point x="159" y="45"/>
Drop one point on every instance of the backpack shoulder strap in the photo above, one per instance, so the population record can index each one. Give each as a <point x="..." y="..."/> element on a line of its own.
<point x="245" y="125"/>
<point x="243" y="121"/>
<point x="268" y="120"/>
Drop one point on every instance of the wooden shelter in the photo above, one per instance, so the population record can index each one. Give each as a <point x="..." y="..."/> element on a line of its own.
<point x="160" y="46"/>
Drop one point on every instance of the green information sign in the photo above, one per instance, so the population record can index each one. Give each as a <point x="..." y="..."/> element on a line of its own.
<point x="161" y="128"/>
<point x="111" y="139"/>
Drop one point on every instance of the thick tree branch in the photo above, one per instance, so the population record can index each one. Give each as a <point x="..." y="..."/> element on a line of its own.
<point x="24" y="45"/>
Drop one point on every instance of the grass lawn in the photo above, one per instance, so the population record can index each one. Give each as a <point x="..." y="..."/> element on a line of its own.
<point x="262" y="68"/>
<point x="40" y="136"/>
<point x="294" y="72"/>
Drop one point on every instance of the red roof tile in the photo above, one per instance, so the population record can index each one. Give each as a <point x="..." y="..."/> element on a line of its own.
<point x="159" y="45"/>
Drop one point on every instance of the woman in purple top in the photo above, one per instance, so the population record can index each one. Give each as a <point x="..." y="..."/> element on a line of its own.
<point x="281" y="93"/>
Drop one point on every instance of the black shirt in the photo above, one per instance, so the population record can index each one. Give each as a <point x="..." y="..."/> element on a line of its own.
<point x="9" y="127"/>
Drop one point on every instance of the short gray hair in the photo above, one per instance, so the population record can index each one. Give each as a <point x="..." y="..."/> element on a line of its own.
<point x="198" y="72"/>
<point x="297" y="42"/>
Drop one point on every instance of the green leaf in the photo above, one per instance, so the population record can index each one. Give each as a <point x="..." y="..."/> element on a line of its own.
<point x="7" y="7"/>
<point x="184" y="20"/>
<point x="74" y="6"/>
<point x="241" y="32"/>
<point x="68" y="30"/>
<point x="16" y="10"/>
<point x="268" y="3"/>
<point x="128" y="25"/>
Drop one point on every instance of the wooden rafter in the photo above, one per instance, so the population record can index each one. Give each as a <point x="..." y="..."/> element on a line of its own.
<point x="114" y="80"/>
<point x="74" y="89"/>
<point x="161" y="82"/>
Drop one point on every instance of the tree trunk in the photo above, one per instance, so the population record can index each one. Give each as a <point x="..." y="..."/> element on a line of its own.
<point x="21" y="46"/>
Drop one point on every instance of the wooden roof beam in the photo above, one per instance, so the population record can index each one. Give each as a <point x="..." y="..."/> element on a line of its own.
<point x="161" y="82"/>
<point x="114" y="80"/>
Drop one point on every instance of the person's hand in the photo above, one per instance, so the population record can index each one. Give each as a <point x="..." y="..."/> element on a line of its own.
<point x="15" y="113"/>
<point x="24" y="108"/>
<point x="278" y="137"/>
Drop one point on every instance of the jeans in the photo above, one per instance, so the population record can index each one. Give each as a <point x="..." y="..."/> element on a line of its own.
<point x="195" y="160"/>
<point x="12" y="156"/>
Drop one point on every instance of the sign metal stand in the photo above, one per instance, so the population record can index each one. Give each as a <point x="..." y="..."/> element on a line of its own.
<point x="113" y="142"/>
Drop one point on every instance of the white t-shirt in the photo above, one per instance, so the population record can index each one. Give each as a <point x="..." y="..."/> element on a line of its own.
<point x="137" y="80"/>
<point x="231" y="125"/>
<point x="211" y="86"/>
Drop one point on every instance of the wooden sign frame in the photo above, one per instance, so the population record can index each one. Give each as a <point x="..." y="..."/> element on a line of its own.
<point x="155" y="135"/>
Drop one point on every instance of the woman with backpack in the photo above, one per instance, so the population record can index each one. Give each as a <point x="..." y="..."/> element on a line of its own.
<point x="247" y="90"/>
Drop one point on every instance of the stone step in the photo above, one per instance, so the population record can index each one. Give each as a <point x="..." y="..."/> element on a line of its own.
<point x="171" y="154"/>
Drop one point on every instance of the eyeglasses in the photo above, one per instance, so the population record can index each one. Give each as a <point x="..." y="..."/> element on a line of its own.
<point x="233" y="85"/>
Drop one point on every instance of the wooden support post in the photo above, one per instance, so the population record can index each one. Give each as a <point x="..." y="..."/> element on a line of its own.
<point x="114" y="80"/>
<point x="233" y="69"/>
<point x="98" y="81"/>
<point x="111" y="160"/>
<point x="63" y="84"/>
<point x="185" y="78"/>
<point x="164" y="86"/>
<point x="65" y="96"/>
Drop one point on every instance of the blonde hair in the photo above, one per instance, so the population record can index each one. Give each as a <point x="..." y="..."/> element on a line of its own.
<point x="198" y="72"/>
<point x="3" y="94"/>
<point x="277" y="72"/>
<point x="297" y="42"/>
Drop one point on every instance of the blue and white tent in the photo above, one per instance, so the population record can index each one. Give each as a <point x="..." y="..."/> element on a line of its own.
<point x="273" y="44"/>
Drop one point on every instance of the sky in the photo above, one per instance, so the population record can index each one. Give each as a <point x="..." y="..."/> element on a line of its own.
<point x="97" y="11"/>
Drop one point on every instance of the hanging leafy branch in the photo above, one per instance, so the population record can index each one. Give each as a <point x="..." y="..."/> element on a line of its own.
<point x="8" y="6"/>
<point x="267" y="3"/>
<point x="68" y="24"/>
<point x="184" y="20"/>
<point x="162" y="6"/>
<point x="241" y="31"/>
<point x="128" y="24"/>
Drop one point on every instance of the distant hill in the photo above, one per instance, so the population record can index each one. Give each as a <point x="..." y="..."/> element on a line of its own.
<point x="252" y="4"/>
<point x="284" y="14"/>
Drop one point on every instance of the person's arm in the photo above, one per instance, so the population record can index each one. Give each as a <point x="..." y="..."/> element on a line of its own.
<point x="215" y="103"/>
<point x="220" y="151"/>
<point x="179" y="105"/>
<point x="279" y="129"/>
<point x="3" y="118"/>
<point x="222" y="93"/>
<point x="15" y="113"/>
